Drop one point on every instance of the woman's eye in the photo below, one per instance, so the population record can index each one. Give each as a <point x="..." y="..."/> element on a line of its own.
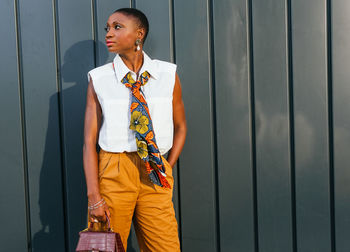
<point x="115" y="27"/>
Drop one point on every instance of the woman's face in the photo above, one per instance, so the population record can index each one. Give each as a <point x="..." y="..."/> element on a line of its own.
<point x="122" y="32"/>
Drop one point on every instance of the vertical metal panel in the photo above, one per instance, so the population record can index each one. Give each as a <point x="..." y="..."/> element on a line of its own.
<point x="233" y="126"/>
<point x="176" y="168"/>
<point x="341" y="92"/>
<point x="12" y="187"/>
<point x="42" y="125"/>
<point x="158" y="40"/>
<point x="198" y="213"/>
<point x="76" y="58"/>
<point x="272" y="129"/>
<point x="311" y="131"/>
<point x="56" y="50"/>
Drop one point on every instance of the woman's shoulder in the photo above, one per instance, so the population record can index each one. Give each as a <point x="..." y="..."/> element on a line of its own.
<point x="164" y="66"/>
<point x="104" y="70"/>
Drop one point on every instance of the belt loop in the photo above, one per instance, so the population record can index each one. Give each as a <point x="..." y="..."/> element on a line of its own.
<point x="118" y="160"/>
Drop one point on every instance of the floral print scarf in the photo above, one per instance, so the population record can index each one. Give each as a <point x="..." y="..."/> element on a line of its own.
<point x="141" y="124"/>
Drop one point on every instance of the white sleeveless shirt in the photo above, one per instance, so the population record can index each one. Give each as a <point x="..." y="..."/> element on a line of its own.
<point x="115" y="100"/>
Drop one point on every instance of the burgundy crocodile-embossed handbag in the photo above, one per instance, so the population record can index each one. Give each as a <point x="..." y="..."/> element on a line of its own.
<point x="103" y="241"/>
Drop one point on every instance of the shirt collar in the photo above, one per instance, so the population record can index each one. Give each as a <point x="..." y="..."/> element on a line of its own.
<point x="121" y="69"/>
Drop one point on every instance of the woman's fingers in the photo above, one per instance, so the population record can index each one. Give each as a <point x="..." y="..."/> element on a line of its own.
<point x="108" y="213"/>
<point x="97" y="214"/>
<point x="93" y="219"/>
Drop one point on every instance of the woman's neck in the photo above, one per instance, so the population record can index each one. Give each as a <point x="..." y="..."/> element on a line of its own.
<point x="133" y="60"/>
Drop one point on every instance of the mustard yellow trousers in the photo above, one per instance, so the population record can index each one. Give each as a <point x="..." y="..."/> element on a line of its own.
<point x="131" y="196"/>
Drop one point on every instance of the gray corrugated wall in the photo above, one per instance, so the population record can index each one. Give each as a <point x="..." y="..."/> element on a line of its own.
<point x="266" y="90"/>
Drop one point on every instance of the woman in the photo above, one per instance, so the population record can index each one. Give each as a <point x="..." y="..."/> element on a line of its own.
<point x="135" y="112"/>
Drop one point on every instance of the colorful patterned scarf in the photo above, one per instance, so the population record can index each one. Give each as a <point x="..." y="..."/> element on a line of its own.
<point x="141" y="123"/>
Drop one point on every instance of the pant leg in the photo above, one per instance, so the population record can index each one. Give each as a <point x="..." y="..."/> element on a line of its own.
<point x="119" y="178"/>
<point x="154" y="219"/>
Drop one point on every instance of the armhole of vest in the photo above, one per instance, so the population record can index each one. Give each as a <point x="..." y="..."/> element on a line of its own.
<point x="90" y="76"/>
<point x="174" y="67"/>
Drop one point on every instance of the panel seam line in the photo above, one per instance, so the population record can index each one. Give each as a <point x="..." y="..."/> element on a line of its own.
<point x="212" y="97"/>
<point x="290" y="96"/>
<point x="23" y="125"/>
<point x="330" y="121"/>
<point x="252" y="119"/>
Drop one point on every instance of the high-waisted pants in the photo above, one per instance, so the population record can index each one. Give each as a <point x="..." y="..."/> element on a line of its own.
<point x="131" y="196"/>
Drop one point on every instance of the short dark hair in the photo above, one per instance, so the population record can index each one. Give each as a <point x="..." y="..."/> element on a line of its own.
<point x="139" y="15"/>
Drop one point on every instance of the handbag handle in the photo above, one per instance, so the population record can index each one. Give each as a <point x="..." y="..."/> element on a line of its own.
<point x="108" y="221"/>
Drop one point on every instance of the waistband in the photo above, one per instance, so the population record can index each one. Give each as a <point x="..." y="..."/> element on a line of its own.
<point x="132" y="155"/>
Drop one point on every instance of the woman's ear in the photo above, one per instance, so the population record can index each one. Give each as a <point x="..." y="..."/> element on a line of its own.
<point x="141" y="33"/>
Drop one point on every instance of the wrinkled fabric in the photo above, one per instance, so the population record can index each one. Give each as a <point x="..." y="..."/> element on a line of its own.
<point x="132" y="197"/>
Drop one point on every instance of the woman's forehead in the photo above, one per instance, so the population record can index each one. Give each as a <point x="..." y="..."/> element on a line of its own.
<point x="121" y="19"/>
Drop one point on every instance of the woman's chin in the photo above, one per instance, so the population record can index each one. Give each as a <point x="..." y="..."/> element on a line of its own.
<point x="112" y="49"/>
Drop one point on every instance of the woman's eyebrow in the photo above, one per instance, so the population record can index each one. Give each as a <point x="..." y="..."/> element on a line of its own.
<point x="115" y="22"/>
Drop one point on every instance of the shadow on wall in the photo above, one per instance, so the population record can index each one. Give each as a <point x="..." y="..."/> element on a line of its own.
<point x="76" y="63"/>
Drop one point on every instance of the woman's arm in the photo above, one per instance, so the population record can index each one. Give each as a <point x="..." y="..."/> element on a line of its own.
<point x="90" y="157"/>
<point x="179" y="120"/>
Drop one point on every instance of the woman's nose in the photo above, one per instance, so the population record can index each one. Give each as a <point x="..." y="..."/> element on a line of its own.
<point x="109" y="34"/>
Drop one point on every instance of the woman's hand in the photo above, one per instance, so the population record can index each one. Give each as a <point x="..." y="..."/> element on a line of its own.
<point x="99" y="214"/>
